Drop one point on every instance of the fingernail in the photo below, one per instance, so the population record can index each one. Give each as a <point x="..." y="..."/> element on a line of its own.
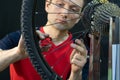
<point x="79" y="41"/>
<point x="42" y="37"/>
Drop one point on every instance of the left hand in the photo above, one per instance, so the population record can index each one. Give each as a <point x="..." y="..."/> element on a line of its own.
<point x="78" y="57"/>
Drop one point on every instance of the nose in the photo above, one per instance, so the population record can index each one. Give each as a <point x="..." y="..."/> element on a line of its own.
<point x="65" y="13"/>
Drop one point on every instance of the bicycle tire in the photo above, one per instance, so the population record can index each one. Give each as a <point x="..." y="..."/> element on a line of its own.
<point x="31" y="41"/>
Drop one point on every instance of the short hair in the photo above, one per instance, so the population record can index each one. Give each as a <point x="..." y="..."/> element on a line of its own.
<point x="85" y="1"/>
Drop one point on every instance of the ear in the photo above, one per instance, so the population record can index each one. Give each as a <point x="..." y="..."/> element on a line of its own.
<point x="47" y="3"/>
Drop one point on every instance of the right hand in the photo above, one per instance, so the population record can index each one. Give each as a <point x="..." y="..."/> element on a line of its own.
<point x="21" y="49"/>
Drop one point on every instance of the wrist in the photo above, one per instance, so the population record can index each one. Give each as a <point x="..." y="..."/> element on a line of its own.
<point x="75" y="75"/>
<point x="19" y="53"/>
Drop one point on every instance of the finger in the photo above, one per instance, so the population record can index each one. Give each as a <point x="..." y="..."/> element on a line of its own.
<point x="73" y="53"/>
<point x="79" y="61"/>
<point x="79" y="57"/>
<point x="41" y="35"/>
<point x="79" y="49"/>
<point x="45" y="48"/>
<point x="21" y="42"/>
<point x="80" y="42"/>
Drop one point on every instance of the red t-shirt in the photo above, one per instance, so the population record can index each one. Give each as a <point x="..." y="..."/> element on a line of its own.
<point x="58" y="57"/>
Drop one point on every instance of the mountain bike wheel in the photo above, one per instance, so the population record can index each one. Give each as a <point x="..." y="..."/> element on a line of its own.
<point x="31" y="41"/>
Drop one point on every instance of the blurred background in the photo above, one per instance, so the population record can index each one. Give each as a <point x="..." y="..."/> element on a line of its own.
<point x="10" y="21"/>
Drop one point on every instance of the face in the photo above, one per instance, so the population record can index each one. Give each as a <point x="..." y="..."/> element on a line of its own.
<point x="63" y="14"/>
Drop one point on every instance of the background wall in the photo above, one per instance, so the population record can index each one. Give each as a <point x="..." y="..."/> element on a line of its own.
<point x="9" y="21"/>
<point x="9" y="16"/>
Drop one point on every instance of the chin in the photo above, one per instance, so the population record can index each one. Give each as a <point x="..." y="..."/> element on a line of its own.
<point x="63" y="27"/>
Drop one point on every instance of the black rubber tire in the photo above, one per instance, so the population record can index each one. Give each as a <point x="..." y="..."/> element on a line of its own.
<point x="31" y="41"/>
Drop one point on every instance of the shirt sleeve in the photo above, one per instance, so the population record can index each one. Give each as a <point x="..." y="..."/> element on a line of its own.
<point x="10" y="40"/>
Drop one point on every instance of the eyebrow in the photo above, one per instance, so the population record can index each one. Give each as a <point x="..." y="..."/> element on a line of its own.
<point x="75" y="6"/>
<point x="70" y="1"/>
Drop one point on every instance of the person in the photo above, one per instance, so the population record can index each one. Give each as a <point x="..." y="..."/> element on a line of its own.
<point x="67" y="61"/>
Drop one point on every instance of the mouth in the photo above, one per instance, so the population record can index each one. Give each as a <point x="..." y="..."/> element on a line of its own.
<point x="62" y="21"/>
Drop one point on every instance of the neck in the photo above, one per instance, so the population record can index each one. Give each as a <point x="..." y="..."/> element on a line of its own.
<point x="58" y="36"/>
<point x="54" y="32"/>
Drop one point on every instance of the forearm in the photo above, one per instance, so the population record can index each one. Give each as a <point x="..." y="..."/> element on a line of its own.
<point x="76" y="76"/>
<point x="7" y="57"/>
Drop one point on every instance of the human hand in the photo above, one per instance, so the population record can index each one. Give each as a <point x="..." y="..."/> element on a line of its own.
<point x="78" y="57"/>
<point x="21" y="49"/>
<point x="42" y="36"/>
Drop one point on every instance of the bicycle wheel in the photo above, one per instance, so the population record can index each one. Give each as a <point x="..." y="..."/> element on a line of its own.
<point x="31" y="41"/>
